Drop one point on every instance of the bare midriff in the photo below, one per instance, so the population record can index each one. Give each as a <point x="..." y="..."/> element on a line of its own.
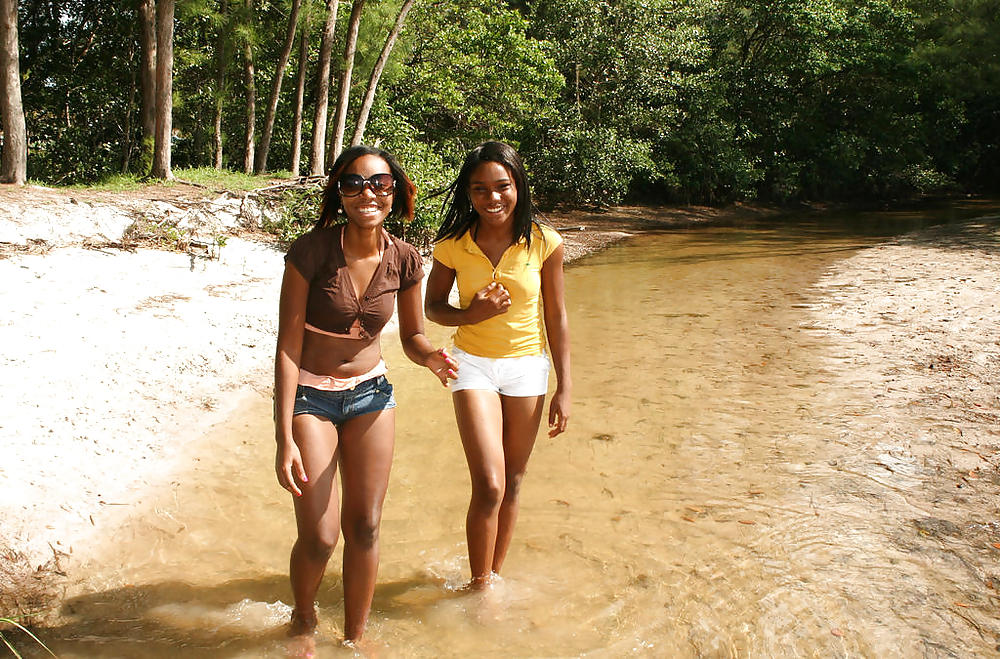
<point x="323" y="354"/>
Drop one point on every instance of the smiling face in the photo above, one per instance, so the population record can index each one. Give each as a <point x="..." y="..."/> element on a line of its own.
<point x="367" y="209"/>
<point x="493" y="193"/>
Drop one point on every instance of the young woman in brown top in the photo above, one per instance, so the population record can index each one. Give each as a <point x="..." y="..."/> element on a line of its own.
<point x="333" y="405"/>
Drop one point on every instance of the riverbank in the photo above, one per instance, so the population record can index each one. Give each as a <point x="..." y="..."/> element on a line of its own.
<point x="917" y="320"/>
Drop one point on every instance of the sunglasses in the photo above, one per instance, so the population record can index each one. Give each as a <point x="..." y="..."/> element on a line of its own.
<point x="351" y="185"/>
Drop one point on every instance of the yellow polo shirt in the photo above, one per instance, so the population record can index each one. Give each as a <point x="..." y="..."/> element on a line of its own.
<point x="520" y="331"/>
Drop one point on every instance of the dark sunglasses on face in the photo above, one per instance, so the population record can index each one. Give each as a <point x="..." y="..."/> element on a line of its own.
<point x="351" y="185"/>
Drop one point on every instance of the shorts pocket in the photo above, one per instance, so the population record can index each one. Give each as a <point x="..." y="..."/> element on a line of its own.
<point x="383" y="387"/>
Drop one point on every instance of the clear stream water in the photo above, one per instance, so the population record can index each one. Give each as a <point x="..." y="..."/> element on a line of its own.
<point x="687" y="512"/>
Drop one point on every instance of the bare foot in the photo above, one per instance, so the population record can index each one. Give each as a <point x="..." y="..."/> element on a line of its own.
<point x="481" y="583"/>
<point x="365" y="647"/>
<point x="302" y="624"/>
<point x="301" y="645"/>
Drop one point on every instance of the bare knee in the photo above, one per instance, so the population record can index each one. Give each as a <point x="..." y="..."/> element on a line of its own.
<point x="317" y="547"/>
<point x="488" y="492"/>
<point x="362" y="531"/>
<point x="513" y="489"/>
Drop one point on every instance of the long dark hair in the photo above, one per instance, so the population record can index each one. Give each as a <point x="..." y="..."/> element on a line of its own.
<point x="460" y="216"/>
<point x="403" y="197"/>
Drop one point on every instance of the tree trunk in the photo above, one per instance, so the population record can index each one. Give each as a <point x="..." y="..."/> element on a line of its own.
<point x="300" y="92"/>
<point x="14" y="160"/>
<point x="127" y="145"/>
<point x="248" y="76"/>
<point x="164" y="89"/>
<point x="260" y="164"/>
<point x="340" y="121"/>
<point x="220" y="85"/>
<point x="318" y="154"/>
<point x="383" y="58"/>
<point x="147" y="77"/>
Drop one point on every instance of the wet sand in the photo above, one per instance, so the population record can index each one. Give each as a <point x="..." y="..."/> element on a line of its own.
<point x="916" y="320"/>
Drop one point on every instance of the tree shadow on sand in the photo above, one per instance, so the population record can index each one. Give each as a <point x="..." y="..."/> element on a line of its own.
<point x="981" y="234"/>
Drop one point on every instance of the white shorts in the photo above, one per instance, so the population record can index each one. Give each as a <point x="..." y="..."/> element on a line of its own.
<point x="508" y="376"/>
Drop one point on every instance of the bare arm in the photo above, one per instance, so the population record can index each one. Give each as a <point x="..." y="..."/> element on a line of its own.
<point x="557" y="332"/>
<point x="491" y="300"/>
<point x="288" y="356"/>
<point x="415" y="344"/>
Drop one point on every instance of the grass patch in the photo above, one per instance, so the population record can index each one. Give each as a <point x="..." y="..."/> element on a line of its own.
<point x="27" y="594"/>
<point x="10" y="646"/>
<point x="115" y="183"/>
<point x="204" y="176"/>
<point x="229" y="180"/>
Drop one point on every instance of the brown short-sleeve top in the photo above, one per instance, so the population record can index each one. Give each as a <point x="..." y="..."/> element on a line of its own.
<point x="332" y="306"/>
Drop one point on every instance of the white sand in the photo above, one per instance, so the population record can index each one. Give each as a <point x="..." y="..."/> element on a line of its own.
<point x="111" y="360"/>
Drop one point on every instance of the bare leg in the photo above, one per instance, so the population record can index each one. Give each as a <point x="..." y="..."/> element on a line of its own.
<point x="365" y="458"/>
<point x="521" y="417"/>
<point x="317" y="516"/>
<point x="480" y="424"/>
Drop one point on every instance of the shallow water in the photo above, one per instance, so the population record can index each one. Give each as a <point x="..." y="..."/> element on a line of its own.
<point x="695" y="507"/>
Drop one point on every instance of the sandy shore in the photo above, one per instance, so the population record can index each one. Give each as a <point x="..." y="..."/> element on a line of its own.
<point x="918" y="321"/>
<point x="112" y="361"/>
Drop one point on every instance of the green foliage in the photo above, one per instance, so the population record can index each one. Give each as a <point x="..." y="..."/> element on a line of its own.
<point x="588" y="165"/>
<point x="609" y="100"/>
<point x="78" y="65"/>
<point x="298" y="210"/>
<point x="425" y="166"/>
<point x="959" y="88"/>
<point x="821" y="92"/>
<point x="473" y="73"/>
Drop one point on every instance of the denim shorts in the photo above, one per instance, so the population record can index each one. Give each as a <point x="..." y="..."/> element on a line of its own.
<point x="372" y="395"/>
<point x="507" y="376"/>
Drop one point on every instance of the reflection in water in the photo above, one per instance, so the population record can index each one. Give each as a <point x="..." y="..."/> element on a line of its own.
<point x="694" y="508"/>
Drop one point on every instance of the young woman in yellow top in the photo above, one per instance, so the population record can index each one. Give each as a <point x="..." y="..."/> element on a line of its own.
<point x="509" y="271"/>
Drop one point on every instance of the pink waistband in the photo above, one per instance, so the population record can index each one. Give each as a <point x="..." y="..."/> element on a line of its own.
<point x="332" y="383"/>
<point x="353" y="333"/>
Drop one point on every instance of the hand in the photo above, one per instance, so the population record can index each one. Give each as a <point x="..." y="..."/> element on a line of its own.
<point x="288" y="466"/>
<point x="558" y="413"/>
<point x="442" y="365"/>
<point x="491" y="300"/>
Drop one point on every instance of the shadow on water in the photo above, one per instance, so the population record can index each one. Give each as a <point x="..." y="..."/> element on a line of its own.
<point x="235" y="618"/>
<point x="152" y="619"/>
<point x="791" y="236"/>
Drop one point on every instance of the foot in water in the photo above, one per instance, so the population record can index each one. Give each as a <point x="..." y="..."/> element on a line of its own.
<point x="301" y="635"/>
<point x="366" y="647"/>
<point x="483" y="582"/>
<point x="302" y="624"/>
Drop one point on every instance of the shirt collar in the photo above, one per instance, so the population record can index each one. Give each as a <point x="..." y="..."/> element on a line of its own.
<point x="467" y="243"/>
<point x="386" y="238"/>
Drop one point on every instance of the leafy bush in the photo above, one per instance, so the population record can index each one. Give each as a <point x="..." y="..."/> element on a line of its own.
<point x="425" y="166"/>
<point x="298" y="210"/>
<point x="586" y="165"/>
